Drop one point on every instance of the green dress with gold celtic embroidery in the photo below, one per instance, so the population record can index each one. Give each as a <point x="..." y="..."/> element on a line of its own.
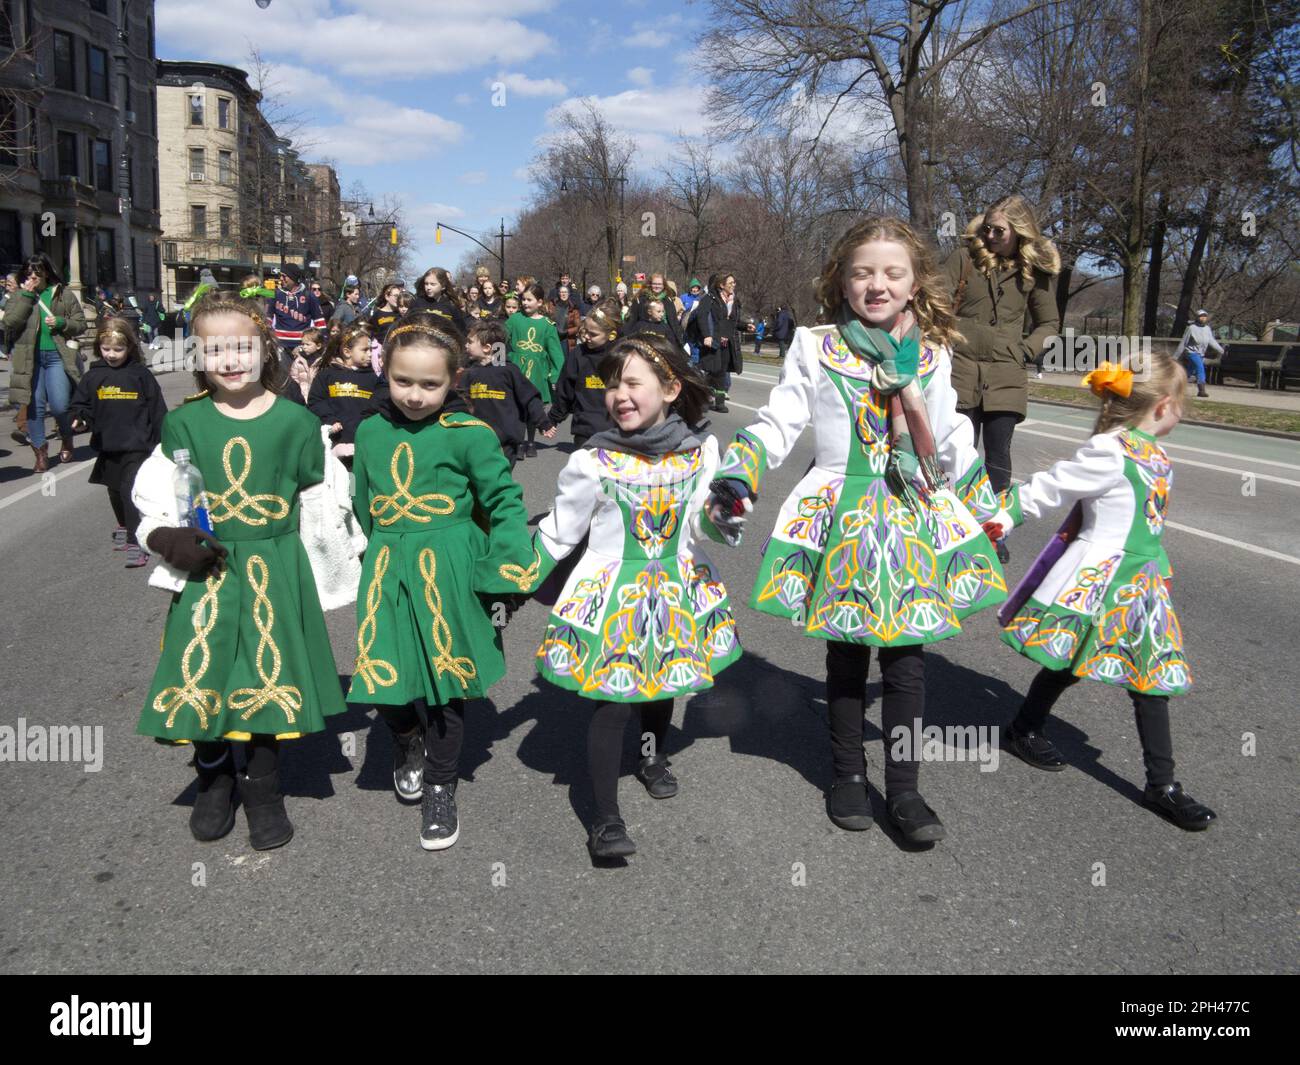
<point x="246" y="651"/>
<point x="431" y="575"/>
<point x="534" y="346"/>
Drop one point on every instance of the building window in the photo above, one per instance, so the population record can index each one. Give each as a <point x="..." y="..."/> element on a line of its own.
<point x="196" y="109"/>
<point x="97" y="78"/>
<point x="11" y="243"/>
<point x="125" y="101"/>
<point x="198" y="220"/>
<point x="124" y="26"/>
<point x="226" y="168"/>
<point x="169" y="251"/>
<point x="227" y="215"/>
<point x="68" y="154"/>
<point x="103" y="166"/>
<point x="223" y="113"/>
<point x="65" y="65"/>
<point x="8" y="132"/>
<point x="105" y="257"/>
<point x="197" y="167"/>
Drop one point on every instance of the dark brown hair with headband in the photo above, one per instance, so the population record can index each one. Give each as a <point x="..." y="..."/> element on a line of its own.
<point x="669" y="364"/>
<point x="410" y="334"/>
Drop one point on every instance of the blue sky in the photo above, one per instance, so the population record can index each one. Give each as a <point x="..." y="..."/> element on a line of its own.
<point x="398" y="93"/>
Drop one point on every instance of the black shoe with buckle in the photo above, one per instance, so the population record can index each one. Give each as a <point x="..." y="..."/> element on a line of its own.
<point x="848" y="804"/>
<point x="609" y="839"/>
<point x="1034" y="748"/>
<point x="914" y="819"/>
<point x="1174" y="804"/>
<point x="658" y="779"/>
<point x="441" y="820"/>
<point x="408" y="765"/>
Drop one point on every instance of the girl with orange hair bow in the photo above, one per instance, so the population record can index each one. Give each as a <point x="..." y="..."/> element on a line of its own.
<point x="1096" y="603"/>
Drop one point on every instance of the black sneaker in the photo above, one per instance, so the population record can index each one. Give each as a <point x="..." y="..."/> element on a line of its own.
<point x="848" y="804"/>
<point x="408" y="765"/>
<point x="657" y="777"/>
<point x="914" y="819"/>
<point x="1034" y="748"/>
<point x="1004" y="552"/>
<point x="1174" y="804"/>
<point x="441" y="824"/>
<point x="609" y="839"/>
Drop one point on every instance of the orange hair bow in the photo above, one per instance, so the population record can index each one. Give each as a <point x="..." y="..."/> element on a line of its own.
<point x="1109" y="377"/>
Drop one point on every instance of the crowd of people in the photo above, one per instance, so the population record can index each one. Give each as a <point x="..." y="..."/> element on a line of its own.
<point x="373" y="461"/>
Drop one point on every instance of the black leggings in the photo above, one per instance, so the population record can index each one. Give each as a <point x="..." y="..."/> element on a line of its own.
<point x="261" y="754"/>
<point x="997" y="427"/>
<point x="902" y="669"/>
<point x="1152" y="712"/>
<point x="124" y="511"/>
<point x="443" y="736"/>
<point x="605" y="745"/>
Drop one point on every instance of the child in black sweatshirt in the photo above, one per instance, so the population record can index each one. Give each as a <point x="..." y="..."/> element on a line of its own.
<point x="497" y="389"/>
<point x="346" y="389"/>
<point x="580" y="392"/>
<point x="119" y="401"/>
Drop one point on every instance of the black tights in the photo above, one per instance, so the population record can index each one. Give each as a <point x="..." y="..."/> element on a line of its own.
<point x="1152" y="712"/>
<point x="997" y="427"/>
<point x="125" y="513"/>
<point x="605" y="745"/>
<point x="902" y="669"/>
<point x="443" y="736"/>
<point x="261" y="755"/>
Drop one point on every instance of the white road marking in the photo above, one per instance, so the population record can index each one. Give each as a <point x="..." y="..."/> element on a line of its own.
<point x="1254" y="549"/>
<point x="1182" y="462"/>
<point x="62" y="472"/>
<point x="1173" y="447"/>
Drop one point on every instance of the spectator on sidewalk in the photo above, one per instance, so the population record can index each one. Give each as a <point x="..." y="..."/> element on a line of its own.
<point x="1198" y="341"/>
<point x="348" y="310"/>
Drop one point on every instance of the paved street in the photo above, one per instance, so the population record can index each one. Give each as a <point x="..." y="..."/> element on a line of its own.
<point x="742" y="871"/>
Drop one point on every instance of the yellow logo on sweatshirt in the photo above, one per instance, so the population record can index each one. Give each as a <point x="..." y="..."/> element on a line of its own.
<point x="594" y="382"/>
<point x="478" y="390"/>
<point x="348" y="390"/>
<point x="115" y="392"/>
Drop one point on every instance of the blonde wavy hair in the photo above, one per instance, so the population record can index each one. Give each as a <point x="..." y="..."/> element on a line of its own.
<point x="1033" y="250"/>
<point x="931" y="305"/>
<point x="1162" y="378"/>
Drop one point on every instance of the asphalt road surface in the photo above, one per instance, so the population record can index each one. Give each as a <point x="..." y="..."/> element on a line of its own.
<point x="742" y="871"/>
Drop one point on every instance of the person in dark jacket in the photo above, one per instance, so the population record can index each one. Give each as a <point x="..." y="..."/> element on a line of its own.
<point x="657" y="319"/>
<point x="322" y="300"/>
<point x="580" y="391"/>
<point x="1003" y="283"/>
<point x="346" y="389"/>
<point x="783" y="326"/>
<point x="715" y="326"/>
<point x="119" y="401"/>
<point x="292" y="310"/>
<point x="436" y="293"/>
<point x="498" y="391"/>
<point x="567" y="318"/>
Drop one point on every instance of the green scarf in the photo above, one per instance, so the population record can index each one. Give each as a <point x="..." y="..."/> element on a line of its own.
<point x="896" y="362"/>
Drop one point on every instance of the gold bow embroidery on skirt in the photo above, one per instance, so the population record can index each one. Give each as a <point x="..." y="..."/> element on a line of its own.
<point x="374" y="672"/>
<point x="401" y="503"/>
<point x="285" y="696"/>
<point x="234" y="501"/>
<point x="463" y="669"/>
<point x="203" y="701"/>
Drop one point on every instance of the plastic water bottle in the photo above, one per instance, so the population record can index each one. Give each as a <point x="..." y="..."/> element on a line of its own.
<point x="187" y="482"/>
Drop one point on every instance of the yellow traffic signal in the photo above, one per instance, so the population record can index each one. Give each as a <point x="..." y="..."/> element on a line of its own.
<point x="392" y="236"/>
<point x="437" y="235"/>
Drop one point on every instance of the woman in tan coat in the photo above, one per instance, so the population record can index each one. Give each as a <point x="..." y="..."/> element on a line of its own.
<point x="45" y="320"/>
<point x="1003" y="283"/>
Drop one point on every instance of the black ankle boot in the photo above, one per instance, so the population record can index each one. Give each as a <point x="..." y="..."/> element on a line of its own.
<point x="657" y="777"/>
<point x="268" y="825"/>
<point x="1174" y="804"/>
<point x="213" y="815"/>
<point x="848" y="804"/>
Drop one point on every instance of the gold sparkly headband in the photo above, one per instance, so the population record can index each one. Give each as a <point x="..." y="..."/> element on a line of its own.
<point x="415" y="327"/>
<point x="647" y="352"/>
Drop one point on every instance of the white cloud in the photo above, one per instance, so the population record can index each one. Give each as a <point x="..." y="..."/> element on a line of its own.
<point x="473" y="177"/>
<point x="667" y="110"/>
<point x="464" y="99"/>
<point x="641" y="76"/>
<point x="526" y="86"/>
<point x="648" y="39"/>
<point x="375" y="45"/>
<point x="522" y="173"/>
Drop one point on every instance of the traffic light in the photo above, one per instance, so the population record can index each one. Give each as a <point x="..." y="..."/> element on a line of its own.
<point x="392" y="236"/>
<point x="437" y="235"/>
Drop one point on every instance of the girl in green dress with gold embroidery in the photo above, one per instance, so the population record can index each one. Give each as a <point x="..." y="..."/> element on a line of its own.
<point x="245" y="652"/>
<point x="436" y="587"/>
<point x="534" y="346"/>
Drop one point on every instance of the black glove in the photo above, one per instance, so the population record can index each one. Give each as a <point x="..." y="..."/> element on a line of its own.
<point x="191" y="551"/>
<point x="510" y="602"/>
<point x="730" y="494"/>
